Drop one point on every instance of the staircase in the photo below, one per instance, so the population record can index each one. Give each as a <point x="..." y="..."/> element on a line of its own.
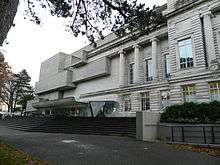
<point x="73" y="125"/>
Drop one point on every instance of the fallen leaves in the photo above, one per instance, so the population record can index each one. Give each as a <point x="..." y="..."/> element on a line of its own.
<point x="201" y="149"/>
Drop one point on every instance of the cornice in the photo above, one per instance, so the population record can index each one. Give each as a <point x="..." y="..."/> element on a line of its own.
<point x="153" y="85"/>
<point x="120" y="41"/>
<point x="184" y="8"/>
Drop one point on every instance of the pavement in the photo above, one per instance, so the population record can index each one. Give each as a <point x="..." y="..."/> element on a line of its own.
<point x="74" y="149"/>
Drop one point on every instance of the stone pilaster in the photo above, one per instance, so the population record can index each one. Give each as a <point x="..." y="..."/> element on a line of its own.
<point x="154" y="57"/>
<point x="121" y="68"/>
<point x="209" y="38"/>
<point x="136" y="63"/>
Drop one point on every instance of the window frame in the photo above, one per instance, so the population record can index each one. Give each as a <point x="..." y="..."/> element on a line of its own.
<point x="218" y="90"/>
<point x="131" y="81"/>
<point x="147" y="77"/>
<point x="167" y="100"/>
<point x="147" y="99"/>
<point x="185" y="37"/>
<point x="127" y="98"/>
<point x="218" y="41"/>
<point x="167" y="75"/>
<point x="185" y="44"/>
<point x="188" y="91"/>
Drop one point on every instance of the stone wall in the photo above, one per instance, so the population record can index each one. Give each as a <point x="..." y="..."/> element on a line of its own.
<point x="8" y="9"/>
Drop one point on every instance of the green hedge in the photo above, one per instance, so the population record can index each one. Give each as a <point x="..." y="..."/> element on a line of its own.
<point x="193" y="113"/>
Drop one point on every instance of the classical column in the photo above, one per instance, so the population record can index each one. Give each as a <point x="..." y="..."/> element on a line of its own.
<point x="136" y="62"/>
<point x="121" y="68"/>
<point x="209" y="38"/>
<point x="154" y="57"/>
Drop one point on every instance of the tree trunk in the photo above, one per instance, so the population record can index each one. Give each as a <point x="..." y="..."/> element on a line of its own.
<point x="8" y="9"/>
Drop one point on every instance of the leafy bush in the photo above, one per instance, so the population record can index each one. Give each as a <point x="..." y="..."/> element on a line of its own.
<point x="192" y="113"/>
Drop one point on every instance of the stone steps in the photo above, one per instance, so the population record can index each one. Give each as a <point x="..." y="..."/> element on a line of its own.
<point x="72" y="125"/>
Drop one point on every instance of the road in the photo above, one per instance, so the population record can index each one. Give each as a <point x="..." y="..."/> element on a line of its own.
<point x="70" y="149"/>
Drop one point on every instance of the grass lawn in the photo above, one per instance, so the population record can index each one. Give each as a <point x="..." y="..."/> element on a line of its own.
<point x="11" y="156"/>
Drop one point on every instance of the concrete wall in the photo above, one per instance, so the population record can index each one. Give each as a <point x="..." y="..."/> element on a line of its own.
<point x="52" y="66"/>
<point x="57" y="81"/>
<point x="94" y="69"/>
<point x="98" y="84"/>
<point x="50" y="96"/>
<point x="54" y="75"/>
<point x="147" y="126"/>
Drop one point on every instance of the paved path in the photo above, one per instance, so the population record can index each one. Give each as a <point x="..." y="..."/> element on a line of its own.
<point x="66" y="149"/>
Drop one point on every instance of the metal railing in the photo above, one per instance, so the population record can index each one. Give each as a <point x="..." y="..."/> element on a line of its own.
<point x="201" y="133"/>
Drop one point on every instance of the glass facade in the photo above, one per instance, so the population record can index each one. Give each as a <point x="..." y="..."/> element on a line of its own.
<point x="189" y="93"/>
<point x="103" y="108"/>
<point x="214" y="91"/>
<point x="185" y="53"/>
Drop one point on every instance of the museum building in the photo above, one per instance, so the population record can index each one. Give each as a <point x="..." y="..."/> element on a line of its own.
<point x="176" y="63"/>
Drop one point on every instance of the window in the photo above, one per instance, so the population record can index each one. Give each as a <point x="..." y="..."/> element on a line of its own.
<point x="149" y="70"/>
<point x="145" y="101"/>
<point x="214" y="91"/>
<point x="218" y="41"/>
<point x="60" y="94"/>
<point x="165" y="99"/>
<point x="189" y="93"/>
<point x="127" y="103"/>
<point x="185" y="53"/>
<point x="131" y="73"/>
<point x="167" y="65"/>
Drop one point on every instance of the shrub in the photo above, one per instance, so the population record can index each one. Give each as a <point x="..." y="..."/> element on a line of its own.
<point x="192" y="113"/>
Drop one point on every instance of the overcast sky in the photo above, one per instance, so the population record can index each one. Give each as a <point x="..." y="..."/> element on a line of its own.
<point x="30" y="44"/>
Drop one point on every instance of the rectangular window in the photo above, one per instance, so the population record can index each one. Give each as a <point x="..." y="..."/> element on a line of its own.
<point x="185" y="53"/>
<point x="145" y="101"/>
<point x="149" y="70"/>
<point x="214" y="91"/>
<point x="218" y="41"/>
<point x="167" y="65"/>
<point x="131" y="73"/>
<point x="60" y="94"/>
<point x="127" y="103"/>
<point x="189" y="93"/>
<point x="165" y="99"/>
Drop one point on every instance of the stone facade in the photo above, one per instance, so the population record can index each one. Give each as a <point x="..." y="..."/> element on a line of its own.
<point x="168" y="66"/>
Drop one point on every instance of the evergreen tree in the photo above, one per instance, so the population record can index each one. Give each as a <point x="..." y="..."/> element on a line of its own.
<point x="16" y="88"/>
